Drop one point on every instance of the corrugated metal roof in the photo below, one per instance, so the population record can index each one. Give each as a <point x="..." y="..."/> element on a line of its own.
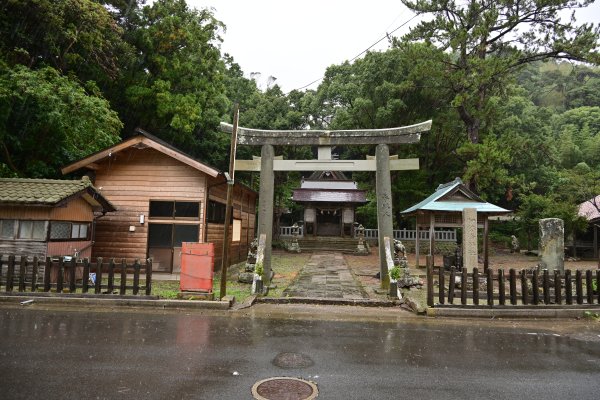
<point x="47" y="192"/>
<point x="330" y="196"/>
<point x="462" y="197"/>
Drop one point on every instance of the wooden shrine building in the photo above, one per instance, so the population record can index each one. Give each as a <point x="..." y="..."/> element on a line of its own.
<point x="329" y="199"/>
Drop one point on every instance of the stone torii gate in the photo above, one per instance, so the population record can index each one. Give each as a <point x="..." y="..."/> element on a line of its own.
<point x="325" y="139"/>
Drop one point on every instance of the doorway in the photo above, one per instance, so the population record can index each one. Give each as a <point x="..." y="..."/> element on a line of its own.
<point x="164" y="245"/>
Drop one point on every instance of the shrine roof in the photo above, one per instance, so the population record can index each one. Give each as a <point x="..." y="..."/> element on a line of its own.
<point x="323" y="184"/>
<point x="590" y="209"/>
<point x="455" y="197"/>
<point x="330" y="195"/>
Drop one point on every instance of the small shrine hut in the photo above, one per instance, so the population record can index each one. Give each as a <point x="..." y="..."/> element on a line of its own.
<point x="444" y="209"/>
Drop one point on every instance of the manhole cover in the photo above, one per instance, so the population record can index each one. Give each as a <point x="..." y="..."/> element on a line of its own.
<point x="283" y="388"/>
<point x="292" y="360"/>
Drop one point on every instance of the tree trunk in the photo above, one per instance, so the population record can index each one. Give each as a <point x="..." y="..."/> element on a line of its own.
<point x="471" y="123"/>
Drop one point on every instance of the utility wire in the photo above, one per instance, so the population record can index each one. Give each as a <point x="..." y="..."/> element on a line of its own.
<point x="386" y="36"/>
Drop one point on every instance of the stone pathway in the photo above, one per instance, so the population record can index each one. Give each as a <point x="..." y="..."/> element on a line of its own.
<point x="326" y="275"/>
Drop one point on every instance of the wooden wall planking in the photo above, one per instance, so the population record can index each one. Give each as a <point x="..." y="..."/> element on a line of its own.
<point x="30" y="248"/>
<point x="130" y="180"/>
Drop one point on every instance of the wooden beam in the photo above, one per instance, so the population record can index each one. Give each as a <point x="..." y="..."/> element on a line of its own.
<point x="327" y="165"/>
<point x="392" y="157"/>
<point x="399" y="135"/>
<point x="101" y="154"/>
<point x="134" y="141"/>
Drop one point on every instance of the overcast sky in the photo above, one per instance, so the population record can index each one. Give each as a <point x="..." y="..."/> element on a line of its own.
<point x="295" y="41"/>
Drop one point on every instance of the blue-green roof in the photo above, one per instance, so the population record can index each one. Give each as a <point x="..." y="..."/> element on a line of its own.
<point x="455" y="197"/>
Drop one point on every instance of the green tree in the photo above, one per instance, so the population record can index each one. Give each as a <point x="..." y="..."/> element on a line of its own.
<point x="48" y="120"/>
<point x="176" y="85"/>
<point x="490" y="40"/>
<point x="78" y="37"/>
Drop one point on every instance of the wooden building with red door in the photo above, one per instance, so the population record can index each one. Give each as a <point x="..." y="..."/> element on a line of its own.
<point x="164" y="197"/>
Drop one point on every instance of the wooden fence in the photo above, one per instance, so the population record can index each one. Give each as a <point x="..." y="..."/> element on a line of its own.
<point x="518" y="288"/>
<point x="34" y="275"/>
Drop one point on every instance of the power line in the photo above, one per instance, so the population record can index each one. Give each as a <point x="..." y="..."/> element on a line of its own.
<point x="386" y="36"/>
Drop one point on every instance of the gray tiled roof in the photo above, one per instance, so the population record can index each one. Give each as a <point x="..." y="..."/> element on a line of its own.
<point x="329" y="195"/>
<point x="45" y="192"/>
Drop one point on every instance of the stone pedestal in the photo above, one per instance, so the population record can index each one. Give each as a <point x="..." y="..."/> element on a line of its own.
<point x="552" y="244"/>
<point x="469" y="245"/>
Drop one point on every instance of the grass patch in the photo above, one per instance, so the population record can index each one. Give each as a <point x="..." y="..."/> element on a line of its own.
<point x="165" y="289"/>
<point x="234" y="288"/>
<point x="286" y="267"/>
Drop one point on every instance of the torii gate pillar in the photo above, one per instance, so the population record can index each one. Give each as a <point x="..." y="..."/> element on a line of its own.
<point x="384" y="208"/>
<point x="265" y="206"/>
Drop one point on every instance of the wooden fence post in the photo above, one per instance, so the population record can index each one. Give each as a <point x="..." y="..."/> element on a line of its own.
<point x="136" y="276"/>
<point x="98" y="284"/>
<point x="72" y="267"/>
<point x="568" y="287"/>
<point x="60" y="277"/>
<point x="442" y="284"/>
<point x="557" y="287"/>
<point x="22" y="271"/>
<point x="34" y="273"/>
<point x="149" y="277"/>
<point x="47" y="270"/>
<point x="111" y="275"/>
<point x="589" y="288"/>
<point x="10" y="273"/>
<point x="579" y="286"/>
<point x="524" y="288"/>
<point x="476" y="286"/>
<point x="490" y="287"/>
<point x="501" y="288"/>
<point x="512" y="276"/>
<point x="535" y="286"/>
<point x="463" y="286"/>
<point x="546" y="286"/>
<point x="85" y="281"/>
<point x="598" y="283"/>
<point x="429" y="284"/>
<point x="123" y="286"/>
<point x="451" y="285"/>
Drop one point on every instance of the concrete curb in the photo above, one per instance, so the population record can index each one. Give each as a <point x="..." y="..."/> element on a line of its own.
<point x="489" y="313"/>
<point x="127" y="302"/>
<point x="335" y="302"/>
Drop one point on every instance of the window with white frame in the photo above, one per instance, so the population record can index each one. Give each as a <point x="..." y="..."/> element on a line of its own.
<point x="32" y="230"/>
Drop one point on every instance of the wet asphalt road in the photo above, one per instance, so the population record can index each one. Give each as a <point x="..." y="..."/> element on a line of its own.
<point x="66" y="354"/>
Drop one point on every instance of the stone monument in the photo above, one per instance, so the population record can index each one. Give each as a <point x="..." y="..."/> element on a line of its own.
<point x="552" y="244"/>
<point x="469" y="238"/>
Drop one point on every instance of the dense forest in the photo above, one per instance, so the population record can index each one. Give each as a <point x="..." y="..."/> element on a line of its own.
<point x="512" y="89"/>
